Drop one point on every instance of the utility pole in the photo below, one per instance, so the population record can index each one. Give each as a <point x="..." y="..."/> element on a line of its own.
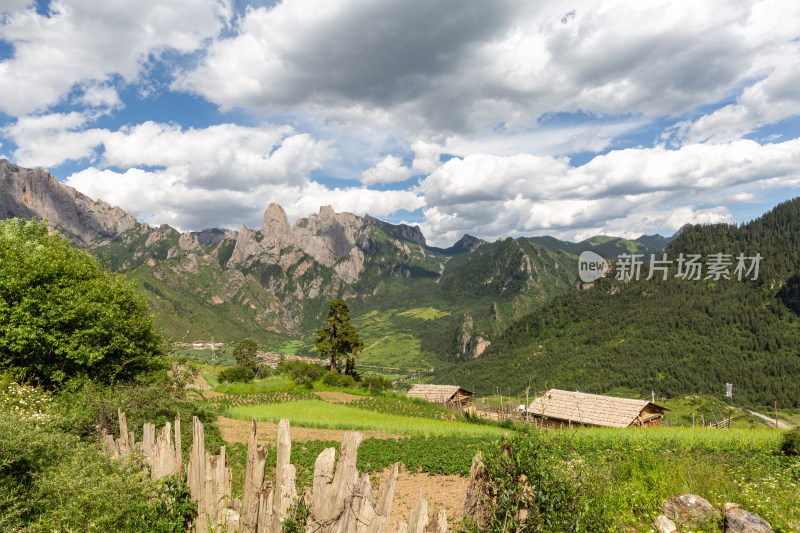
<point x="213" y="354"/>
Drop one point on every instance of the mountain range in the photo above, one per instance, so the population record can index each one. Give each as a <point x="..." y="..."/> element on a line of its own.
<point x="667" y="337"/>
<point x="506" y="315"/>
<point x="416" y="306"/>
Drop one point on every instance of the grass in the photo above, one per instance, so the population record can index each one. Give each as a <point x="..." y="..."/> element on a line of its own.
<point x="425" y="313"/>
<point x="635" y="470"/>
<point x="320" y="414"/>
<point x="211" y="379"/>
<point x="258" y="386"/>
<point x="282" y="384"/>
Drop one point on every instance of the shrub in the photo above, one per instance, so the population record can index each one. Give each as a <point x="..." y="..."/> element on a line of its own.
<point x="264" y="371"/>
<point x="63" y="316"/>
<point x="377" y="384"/>
<point x="791" y="442"/>
<point x="297" y="369"/>
<point x="86" y="410"/>
<point x="347" y="381"/>
<point x="304" y="381"/>
<point x="51" y="480"/>
<point x="335" y="379"/>
<point x="237" y="374"/>
<point x="331" y="379"/>
<point x="524" y="474"/>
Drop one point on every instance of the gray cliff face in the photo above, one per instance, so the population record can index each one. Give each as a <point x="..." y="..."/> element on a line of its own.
<point x="329" y="238"/>
<point x="36" y="193"/>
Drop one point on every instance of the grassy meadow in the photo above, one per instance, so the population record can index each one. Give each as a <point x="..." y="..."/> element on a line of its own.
<point x="326" y="415"/>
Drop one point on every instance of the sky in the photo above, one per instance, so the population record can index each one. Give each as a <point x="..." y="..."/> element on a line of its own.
<point x="497" y="119"/>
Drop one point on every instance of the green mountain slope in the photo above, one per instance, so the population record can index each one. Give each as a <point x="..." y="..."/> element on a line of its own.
<point x="605" y="245"/>
<point x="671" y="337"/>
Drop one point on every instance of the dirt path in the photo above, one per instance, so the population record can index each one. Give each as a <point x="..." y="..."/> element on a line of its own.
<point x="771" y="420"/>
<point x="442" y="492"/>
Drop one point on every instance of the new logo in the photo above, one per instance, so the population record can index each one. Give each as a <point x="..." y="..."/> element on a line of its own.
<point x="591" y="267"/>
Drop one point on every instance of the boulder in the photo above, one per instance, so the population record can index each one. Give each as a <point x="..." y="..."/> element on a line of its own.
<point x="740" y="521"/>
<point x="662" y="524"/>
<point x="688" y="509"/>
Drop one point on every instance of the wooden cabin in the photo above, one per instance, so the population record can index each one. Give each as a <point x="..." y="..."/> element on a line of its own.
<point x="564" y="408"/>
<point x="450" y="396"/>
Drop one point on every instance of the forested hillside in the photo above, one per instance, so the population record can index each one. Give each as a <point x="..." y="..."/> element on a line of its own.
<point x="671" y="337"/>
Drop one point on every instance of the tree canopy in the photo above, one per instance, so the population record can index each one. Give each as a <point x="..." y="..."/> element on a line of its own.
<point x="63" y="316"/>
<point x="246" y="352"/>
<point x="338" y="339"/>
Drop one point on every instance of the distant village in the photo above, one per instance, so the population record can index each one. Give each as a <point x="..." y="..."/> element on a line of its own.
<point x="271" y="359"/>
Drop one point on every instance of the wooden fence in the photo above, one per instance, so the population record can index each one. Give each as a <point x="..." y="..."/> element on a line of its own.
<point x="340" y="500"/>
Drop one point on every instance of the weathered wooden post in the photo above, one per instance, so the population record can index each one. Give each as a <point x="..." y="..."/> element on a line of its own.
<point x="253" y="481"/>
<point x="474" y="505"/>
<point x="197" y="474"/>
<point x="418" y="519"/>
<point x="178" y="451"/>
<point x="283" y="469"/>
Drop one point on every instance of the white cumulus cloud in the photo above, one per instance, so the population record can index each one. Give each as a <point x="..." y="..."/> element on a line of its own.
<point x="389" y="170"/>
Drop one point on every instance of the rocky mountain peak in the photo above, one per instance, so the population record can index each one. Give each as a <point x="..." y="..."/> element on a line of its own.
<point x="275" y="227"/>
<point x="37" y="193"/>
<point x="399" y="231"/>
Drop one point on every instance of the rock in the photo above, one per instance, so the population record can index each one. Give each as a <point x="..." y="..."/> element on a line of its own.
<point x="688" y="509"/>
<point x="740" y="521"/>
<point x="37" y="193"/>
<point x="662" y="524"/>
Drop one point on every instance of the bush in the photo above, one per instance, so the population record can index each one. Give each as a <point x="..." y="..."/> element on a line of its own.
<point x="85" y="411"/>
<point x="304" y="381"/>
<point x="237" y="374"/>
<point x="335" y="379"/>
<point x="264" y="371"/>
<point x="50" y="480"/>
<point x="524" y="474"/>
<point x="791" y="442"/>
<point x="310" y="372"/>
<point x="331" y="379"/>
<point x="377" y="384"/>
<point x="63" y="316"/>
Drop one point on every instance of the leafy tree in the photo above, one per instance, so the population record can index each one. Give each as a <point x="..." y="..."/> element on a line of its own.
<point x="235" y="374"/>
<point x="246" y="353"/>
<point x="63" y="316"/>
<point x="338" y="339"/>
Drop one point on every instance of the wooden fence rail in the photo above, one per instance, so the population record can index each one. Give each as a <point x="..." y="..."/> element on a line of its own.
<point x="340" y="501"/>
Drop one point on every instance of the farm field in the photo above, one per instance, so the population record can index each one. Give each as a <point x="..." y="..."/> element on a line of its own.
<point x="321" y="414"/>
<point x="629" y="472"/>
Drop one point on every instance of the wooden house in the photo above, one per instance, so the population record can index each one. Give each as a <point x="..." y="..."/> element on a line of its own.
<point x="564" y="408"/>
<point x="451" y="396"/>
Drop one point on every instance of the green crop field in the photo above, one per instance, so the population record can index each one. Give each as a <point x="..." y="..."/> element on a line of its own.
<point x="425" y="313"/>
<point x="320" y="414"/>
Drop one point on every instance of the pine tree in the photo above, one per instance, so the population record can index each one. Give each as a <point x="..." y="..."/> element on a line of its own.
<point x="338" y="339"/>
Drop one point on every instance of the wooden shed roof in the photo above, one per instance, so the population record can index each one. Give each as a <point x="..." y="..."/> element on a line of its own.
<point x="590" y="409"/>
<point x="437" y="393"/>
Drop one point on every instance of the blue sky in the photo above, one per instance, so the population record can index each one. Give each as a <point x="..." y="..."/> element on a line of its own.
<point x="496" y="119"/>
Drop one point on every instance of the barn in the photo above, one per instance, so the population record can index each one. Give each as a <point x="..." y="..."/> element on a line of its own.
<point x="449" y="396"/>
<point x="565" y="408"/>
